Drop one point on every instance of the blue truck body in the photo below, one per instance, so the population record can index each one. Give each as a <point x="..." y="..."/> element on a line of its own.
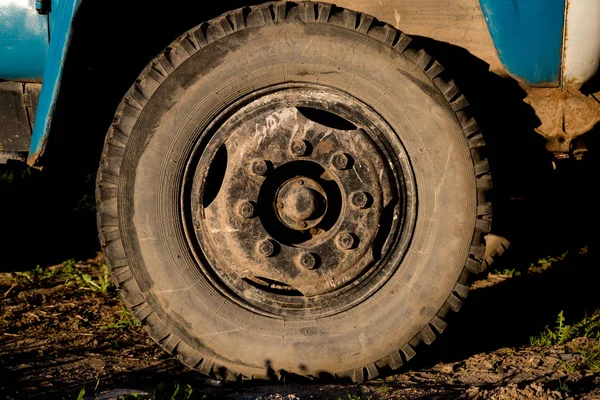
<point x="24" y="42"/>
<point x="528" y="36"/>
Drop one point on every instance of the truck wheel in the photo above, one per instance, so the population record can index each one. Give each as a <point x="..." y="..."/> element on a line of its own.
<point x="293" y="188"/>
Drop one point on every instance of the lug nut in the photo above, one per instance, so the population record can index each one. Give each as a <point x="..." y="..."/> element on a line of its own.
<point x="298" y="148"/>
<point x="245" y="209"/>
<point x="259" y="167"/>
<point x="340" y="161"/>
<point x="307" y="260"/>
<point x="266" y="248"/>
<point x="345" y="240"/>
<point x="359" y="199"/>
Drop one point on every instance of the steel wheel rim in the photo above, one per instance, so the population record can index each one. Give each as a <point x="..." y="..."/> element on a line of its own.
<point x="392" y="205"/>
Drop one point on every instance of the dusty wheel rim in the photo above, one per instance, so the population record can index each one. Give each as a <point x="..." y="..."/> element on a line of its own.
<point x="301" y="202"/>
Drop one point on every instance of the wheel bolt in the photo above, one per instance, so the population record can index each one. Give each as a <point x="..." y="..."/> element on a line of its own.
<point x="359" y="199"/>
<point x="340" y="161"/>
<point x="307" y="260"/>
<point x="259" y="167"/>
<point x="345" y="240"/>
<point x="245" y="209"/>
<point x="298" y="147"/>
<point x="266" y="248"/>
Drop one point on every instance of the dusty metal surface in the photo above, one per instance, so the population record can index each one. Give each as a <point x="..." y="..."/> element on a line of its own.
<point x="31" y="96"/>
<point x="302" y="191"/>
<point x="15" y="128"/>
<point x="458" y="22"/>
<point x="564" y="116"/>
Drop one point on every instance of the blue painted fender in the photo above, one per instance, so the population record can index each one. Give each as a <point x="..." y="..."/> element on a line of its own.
<point x="61" y="20"/>
<point x="528" y="36"/>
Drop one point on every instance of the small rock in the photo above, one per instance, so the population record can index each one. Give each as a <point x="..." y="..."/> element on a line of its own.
<point x="447" y="369"/>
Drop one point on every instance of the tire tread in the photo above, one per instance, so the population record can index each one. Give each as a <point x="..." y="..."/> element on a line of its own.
<point x="178" y="53"/>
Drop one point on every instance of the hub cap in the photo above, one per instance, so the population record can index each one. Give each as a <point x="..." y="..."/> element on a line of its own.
<point x="301" y="203"/>
<point x="299" y="199"/>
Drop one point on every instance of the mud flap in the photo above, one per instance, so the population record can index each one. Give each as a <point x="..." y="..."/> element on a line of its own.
<point x="17" y="112"/>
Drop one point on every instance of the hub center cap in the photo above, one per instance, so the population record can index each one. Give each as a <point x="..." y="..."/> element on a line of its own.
<point x="301" y="203"/>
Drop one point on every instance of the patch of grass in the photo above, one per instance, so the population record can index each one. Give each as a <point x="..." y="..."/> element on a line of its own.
<point x="559" y="335"/>
<point x="569" y="366"/>
<point x="164" y="392"/>
<point x="14" y="173"/>
<point x="383" y="390"/>
<point x="101" y="285"/>
<point x="591" y="356"/>
<point x="588" y="327"/>
<point x="351" y="396"/>
<point x="507" y="272"/>
<point x="125" y="321"/>
<point x="68" y="273"/>
<point x="543" y="264"/>
<point x="562" y="386"/>
<point x="36" y="277"/>
<point x="540" y="266"/>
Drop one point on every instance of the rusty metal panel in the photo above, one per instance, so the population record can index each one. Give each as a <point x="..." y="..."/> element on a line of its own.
<point x="15" y="131"/>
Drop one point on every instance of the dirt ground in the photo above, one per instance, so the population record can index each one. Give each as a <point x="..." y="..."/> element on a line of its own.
<point x="64" y="330"/>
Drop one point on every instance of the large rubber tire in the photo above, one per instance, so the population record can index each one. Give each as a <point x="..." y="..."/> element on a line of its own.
<point x="207" y="69"/>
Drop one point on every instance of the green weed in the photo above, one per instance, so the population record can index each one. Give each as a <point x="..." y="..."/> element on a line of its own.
<point x="36" y="277"/>
<point x="164" y="392"/>
<point x="591" y="356"/>
<point x="125" y="321"/>
<point x="559" y="335"/>
<point x="507" y="272"/>
<point x="352" y="397"/>
<point x="68" y="273"/>
<point x="383" y="390"/>
<point x="101" y="285"/>
<point x="543" y="264"/>
<point x="562" y="386"/>
<point x="569" y="366"/>
<point x="588" y="327"/>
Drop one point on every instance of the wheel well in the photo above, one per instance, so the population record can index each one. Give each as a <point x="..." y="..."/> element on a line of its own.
<point x="112" y="42"/>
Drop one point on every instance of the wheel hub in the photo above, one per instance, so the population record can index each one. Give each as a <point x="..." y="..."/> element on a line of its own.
<point x="301" y="203"/>
<point x="296" y="206"/>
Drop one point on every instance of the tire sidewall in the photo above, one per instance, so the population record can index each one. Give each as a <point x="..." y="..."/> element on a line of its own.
<point x="161" y="143"/>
